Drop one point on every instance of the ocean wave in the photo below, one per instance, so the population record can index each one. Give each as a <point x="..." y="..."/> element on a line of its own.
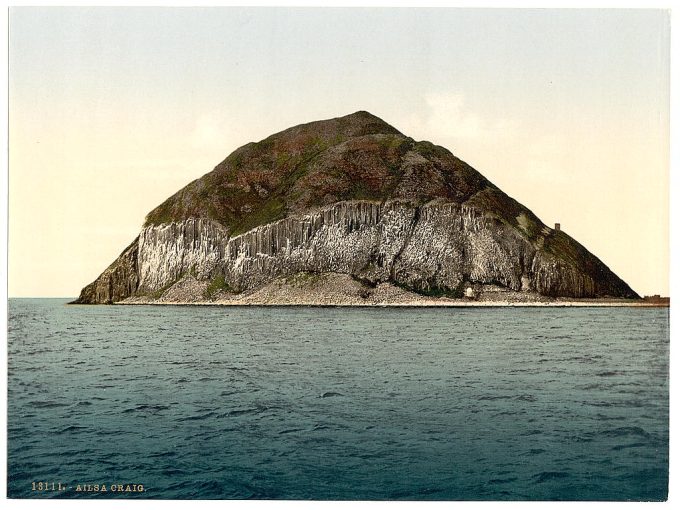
<point x="547" y="476"/>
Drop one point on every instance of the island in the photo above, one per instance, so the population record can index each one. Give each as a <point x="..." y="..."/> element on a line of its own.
<point x="350" y="211"/>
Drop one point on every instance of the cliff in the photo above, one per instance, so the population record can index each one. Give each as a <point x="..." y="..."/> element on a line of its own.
<point x="350" y="196"/>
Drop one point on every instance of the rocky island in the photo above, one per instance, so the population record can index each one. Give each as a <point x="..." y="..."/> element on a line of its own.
<point x="349" y="211"/>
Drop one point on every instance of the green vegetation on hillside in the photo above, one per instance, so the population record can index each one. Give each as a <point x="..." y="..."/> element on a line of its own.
<point x="216" y="285"/>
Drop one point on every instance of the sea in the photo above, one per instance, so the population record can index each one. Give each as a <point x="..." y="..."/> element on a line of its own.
<point x="325" y="403"/>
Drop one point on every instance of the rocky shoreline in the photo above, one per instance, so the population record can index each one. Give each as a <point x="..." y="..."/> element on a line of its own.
<point x="430" y="304"/>
<point x="341" y="290"/>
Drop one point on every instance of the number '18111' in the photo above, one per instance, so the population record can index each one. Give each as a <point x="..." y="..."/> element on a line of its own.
<point x="46" y="486"/>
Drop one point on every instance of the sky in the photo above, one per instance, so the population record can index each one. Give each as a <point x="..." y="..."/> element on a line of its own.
<point x="112" y="110"/>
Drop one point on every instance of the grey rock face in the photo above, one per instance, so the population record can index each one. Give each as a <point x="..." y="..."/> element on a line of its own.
<point x="117" y="282"/>
<point x="167" y="251"/>
<point x="435" y="248"/>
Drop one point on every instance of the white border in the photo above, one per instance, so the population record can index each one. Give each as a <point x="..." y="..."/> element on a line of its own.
<point x="288" y="505"/>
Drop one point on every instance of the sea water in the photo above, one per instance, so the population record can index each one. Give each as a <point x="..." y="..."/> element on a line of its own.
<point x="337" y="403"/>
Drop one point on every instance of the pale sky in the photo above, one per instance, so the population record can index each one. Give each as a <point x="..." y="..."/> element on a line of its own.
<point x="112" y="110"/>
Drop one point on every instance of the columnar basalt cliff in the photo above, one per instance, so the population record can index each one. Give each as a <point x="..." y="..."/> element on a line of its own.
<point x="350" y="196"/>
